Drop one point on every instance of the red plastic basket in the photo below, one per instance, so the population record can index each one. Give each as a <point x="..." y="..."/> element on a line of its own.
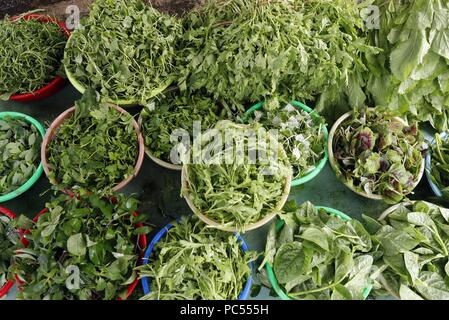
<point x="57" y="83"/>
<point x="141" y="246"/>
<point x="9" y="284"/>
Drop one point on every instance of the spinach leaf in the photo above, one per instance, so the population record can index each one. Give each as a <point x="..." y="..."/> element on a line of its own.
<point x="20" y="144"/>
<point x="327" y="259"/>
<point x="290" y="260"/>
<point x="432" y="286"/>
<point x="405" y="293"/>
<point x="415" y="253"/>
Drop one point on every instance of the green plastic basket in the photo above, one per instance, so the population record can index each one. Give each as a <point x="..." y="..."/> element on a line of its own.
<point x="269" y="268"/>
<point x="27" y="185"/>
<point x="312" y="174"/>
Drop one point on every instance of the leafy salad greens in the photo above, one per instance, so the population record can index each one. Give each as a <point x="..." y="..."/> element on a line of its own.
<point x="125" y="49"/>
<point x="195" y="262"/>
<point x="411" y="74"/>
<point x="228" y="184"/>
<point x="8" y="241"/>
<point x="94" y="149"/>
<point x="20" y="144"/>
<point x="300" y="133"/>
<point x="411" y="245"/>
<point x="30" y="55"/>
<point x="378" y="154"/>
<point x="175" y="114"/>
<point x="315" y="255"/>
<point x="246" y="50"/>
<point x="96" y="236"/>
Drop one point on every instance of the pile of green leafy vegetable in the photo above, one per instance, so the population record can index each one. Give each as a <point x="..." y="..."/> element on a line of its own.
<point x="86" y="236"/>
<point x="411" y="247"/>
<point x="125" y="49"/>
<point x="20" y="144"/>
<point x="94" y="149"/>
<point x="411" y="75"/>
<point x="167" y="125"/>
<point x="315" y="255"/>
<point x="246" y="50"/>
<point x="194" y="262"/>
<point x="238" y="174"/>
<point x="8" y="241"/>
<point x="30" y="55"/>
<point x="299" y="132"/>
<point x="375" y="153"/>
<point x="440" y="165"/>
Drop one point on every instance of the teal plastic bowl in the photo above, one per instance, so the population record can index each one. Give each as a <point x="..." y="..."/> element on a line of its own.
<point x="436" y="190"/>
<point x="269" y="268"/>
<point x="319" y="167"/>
<point x="27" y="185"/>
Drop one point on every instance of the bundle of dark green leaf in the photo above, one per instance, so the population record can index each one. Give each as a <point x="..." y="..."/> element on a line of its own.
<point x="300" y="133"/>
<point x="236" y="179"/>
<point x="195" y="262"/>
<point x="319" y="256"/>
<point x="246" y="50"/>
<point x="30" y="56"/>
<point x="20" y="144"/>
<point x="440" y="164"/>
<point x="125" y="49"/>
<point x="379" y="154"/>
<point x="89" y="238"/>
<point x="412" y="250"/>
<point x="94" y="149"/>
<point x="8" y="241"/>
<point x="169" y="123"/>
<point x="411" y="75"/>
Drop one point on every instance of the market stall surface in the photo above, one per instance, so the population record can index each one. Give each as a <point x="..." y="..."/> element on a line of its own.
<point x="159" y="188"/>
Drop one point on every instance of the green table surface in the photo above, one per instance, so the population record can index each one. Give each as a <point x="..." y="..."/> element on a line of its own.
<point x="159" y="188"/>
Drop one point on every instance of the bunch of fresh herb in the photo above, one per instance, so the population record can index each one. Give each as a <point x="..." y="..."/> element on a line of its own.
<point x="20" y="144"/>
<point x="125" y="49"/>
<point x="299" y="132"/>
<point x="378" y="154"/>
<point x="175" y="115"/>
<point x="246" y="50"/>
<point x="94" y="149"/>
<point x="440" y="165"/>
<point x="195" y="262"/>
<point x="412" y="250"/>
<point x="30" y="55"/>
<point x="319" y="256"/>
<point x="8" y="241"/>
<point x="411" y="75"/>
<point x="238" y="174"/>
<point x="86" y="236"/>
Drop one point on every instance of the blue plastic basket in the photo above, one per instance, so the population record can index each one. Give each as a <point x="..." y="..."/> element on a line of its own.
<point x="436" y="190"/>
<point x="146" y="284"/>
